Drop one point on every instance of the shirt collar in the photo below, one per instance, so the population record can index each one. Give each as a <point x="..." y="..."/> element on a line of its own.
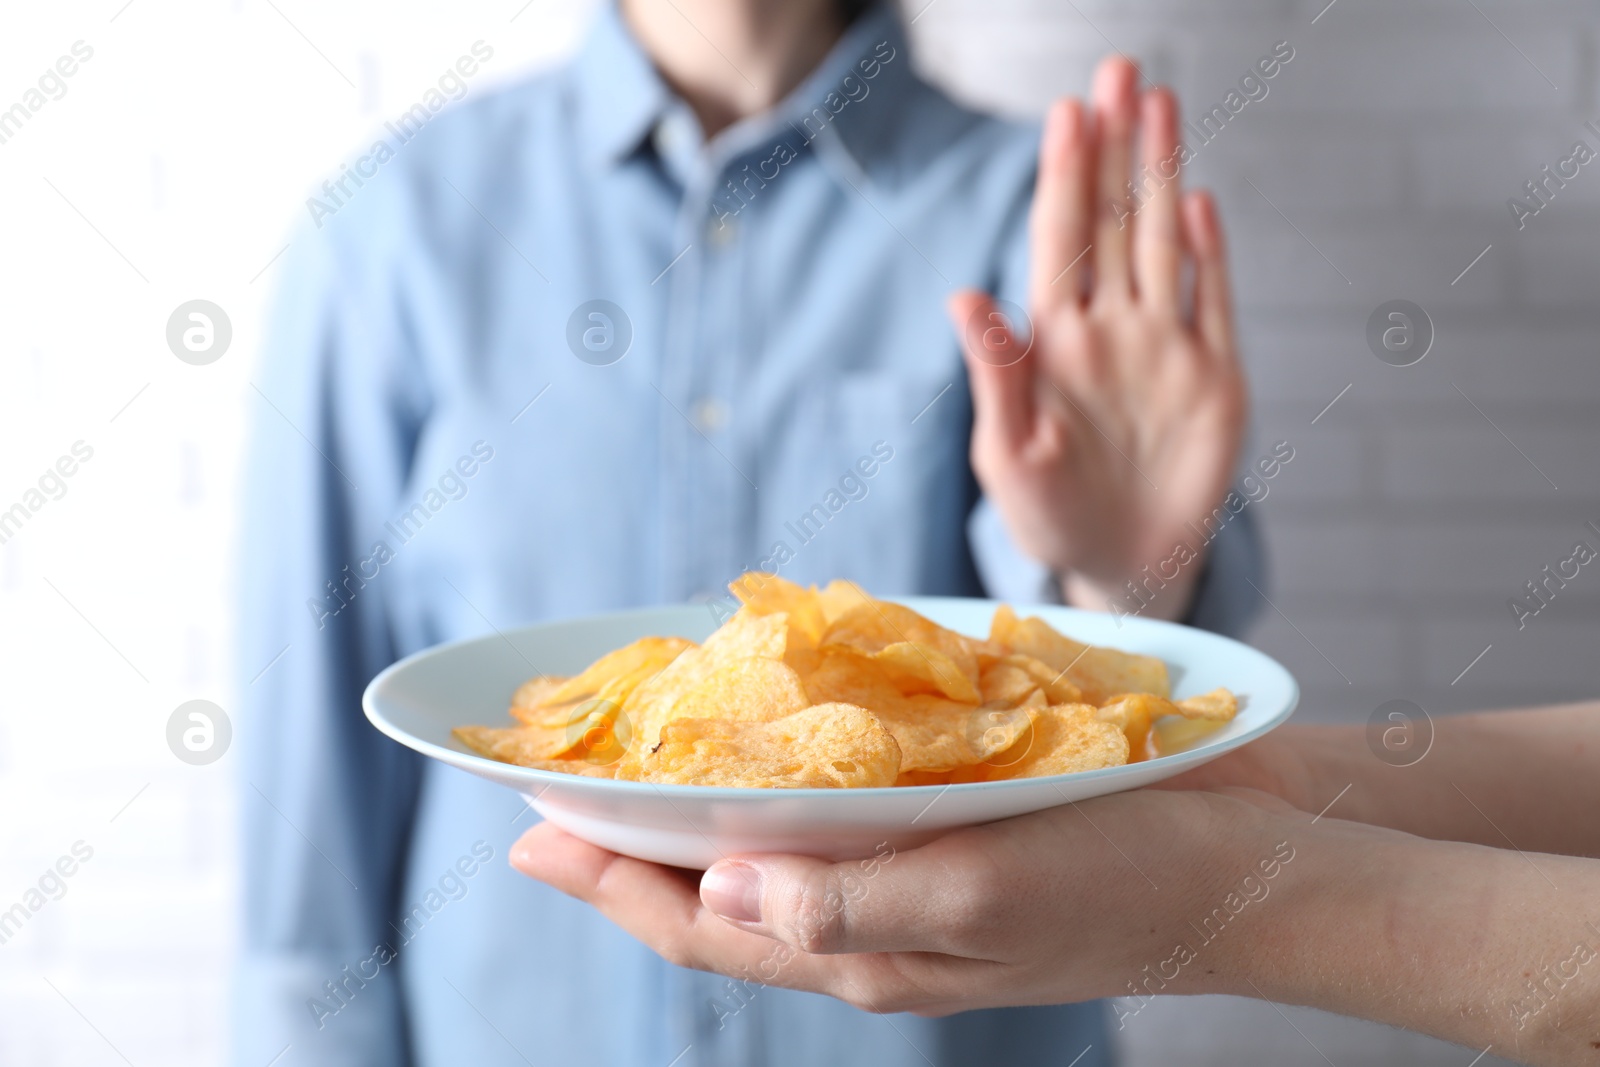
<point x="621" y="97"/>
<point x="619" y="94"/>
<point x="839" y="106"/>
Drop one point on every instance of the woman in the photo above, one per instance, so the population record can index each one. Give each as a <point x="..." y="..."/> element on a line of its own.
<point x="1456" y="896"/>
<point x="616" y="335"/>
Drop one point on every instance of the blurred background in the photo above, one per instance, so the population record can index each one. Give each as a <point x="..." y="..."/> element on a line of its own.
<point x="1377" y="168"/>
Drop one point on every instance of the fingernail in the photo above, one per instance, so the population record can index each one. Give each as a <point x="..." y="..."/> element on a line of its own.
<point x="733" y="891"/>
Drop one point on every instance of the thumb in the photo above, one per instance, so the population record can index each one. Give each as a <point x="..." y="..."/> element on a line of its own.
<point x="825" y="908"/>
<point x="999" y="365"/>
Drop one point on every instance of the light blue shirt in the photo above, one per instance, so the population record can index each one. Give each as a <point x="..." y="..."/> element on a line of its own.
<point x="443" y="448"/>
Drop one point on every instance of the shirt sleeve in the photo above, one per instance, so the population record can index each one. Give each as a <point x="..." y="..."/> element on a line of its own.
<point x="326" y="801"/>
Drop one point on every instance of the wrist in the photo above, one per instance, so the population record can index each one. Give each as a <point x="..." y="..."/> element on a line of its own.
<point x="1424" y="935"/>
<point x="1144" y="593"/>
<point x="1333" y="886"/>
<point x="1233" y="868"/>
<point x="1258" y="882"/>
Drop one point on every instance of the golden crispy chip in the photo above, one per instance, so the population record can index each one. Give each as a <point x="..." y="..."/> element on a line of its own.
<point x="1100" y="673"/>
<point x="931" y="730"/>
<point x="1219" y="705"/>
<point x="1058" y="688"/>
<point x="601" y="734"/>
<point x="988" y="652"/>
<point x="822" y="747"/>
<point x="936" y="734"/>
<point x="746" y="690"/>
<point x="846" y="677"/>
<point x="1064" y="738"/>
<point x="575" y="766"/>
<point x="834" y="689"/>
<point x="531" y="702"/>
<point x="1005" y="685"/>
<point x="591" y="731"/>
<point x="515" y="744"/>
<point x="875" y="625"/>
<point x="615" y="691"/>
<point x="923" y="778"/>
<point x="648" y="654"/>
<point x="919" y="668"/>
<point x="1133" y="714"/>
<point x="535" y="691"/>
<point x="802" y="660"/>
<point x="1179" y="735"/>
<point x="741" y="637"/>
<point x="839" y="597"/>
<point x="768" y="594"/>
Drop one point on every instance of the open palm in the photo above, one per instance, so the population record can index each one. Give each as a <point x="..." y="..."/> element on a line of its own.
<point x="1103" y="434"/>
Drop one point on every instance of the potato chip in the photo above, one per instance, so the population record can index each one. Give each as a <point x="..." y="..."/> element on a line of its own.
<point x="1064" y="739"/>
<point x="768" y="594"/>
<point x="875" y="625"/>
<point x="1179" y="735"/>
<point x="839" y="597"/>
<point x="574" y="766"/>
<point x="522" y="745"/>
<point x="601" y="732"/>
<point x="919" y="668"/>
<point x="746" y="690"/>
<point x="834" y="689"/>
<point x="648" y="654"/>
<point x="594" y="731"/>
<point x="939" y="734"/>
<point x="1005" y="685"/>
<point x="1100" y="673"/>
<point x="616" y="690"/>
<point x="990" y="652"/>
<point x="923" y="778"/>
<point x="846" y="677"/>
<point x="535" y="691"/>
<point x="1133" y="714"/>
<point x="920" y="723"/>
<point x="1058" y="688"/>
<point x="803" y="661"/>
<point x="745" y="635"/>
<point x="530" y="703"/>
<point x="828" y="746"/>
<point x="1219" y="705"/>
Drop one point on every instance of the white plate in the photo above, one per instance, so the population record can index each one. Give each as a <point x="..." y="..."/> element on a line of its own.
<point x="418" y="700"/>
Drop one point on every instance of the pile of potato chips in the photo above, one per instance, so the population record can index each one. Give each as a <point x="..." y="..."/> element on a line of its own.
<point x="806" y="688"/>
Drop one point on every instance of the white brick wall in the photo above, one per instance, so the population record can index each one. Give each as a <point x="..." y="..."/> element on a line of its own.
<point x="1405" y="522"/>
<point x="1392" y="140"/>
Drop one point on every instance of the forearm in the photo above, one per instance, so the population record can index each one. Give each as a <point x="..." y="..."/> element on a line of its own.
<point x="1478" y="946"/>
<point x="1515" y="779"/>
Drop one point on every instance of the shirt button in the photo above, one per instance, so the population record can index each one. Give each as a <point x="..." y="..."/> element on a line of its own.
<point x="709" y="415"/>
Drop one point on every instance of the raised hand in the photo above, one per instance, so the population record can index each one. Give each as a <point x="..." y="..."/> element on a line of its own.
<point x="1121" y="424"/>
